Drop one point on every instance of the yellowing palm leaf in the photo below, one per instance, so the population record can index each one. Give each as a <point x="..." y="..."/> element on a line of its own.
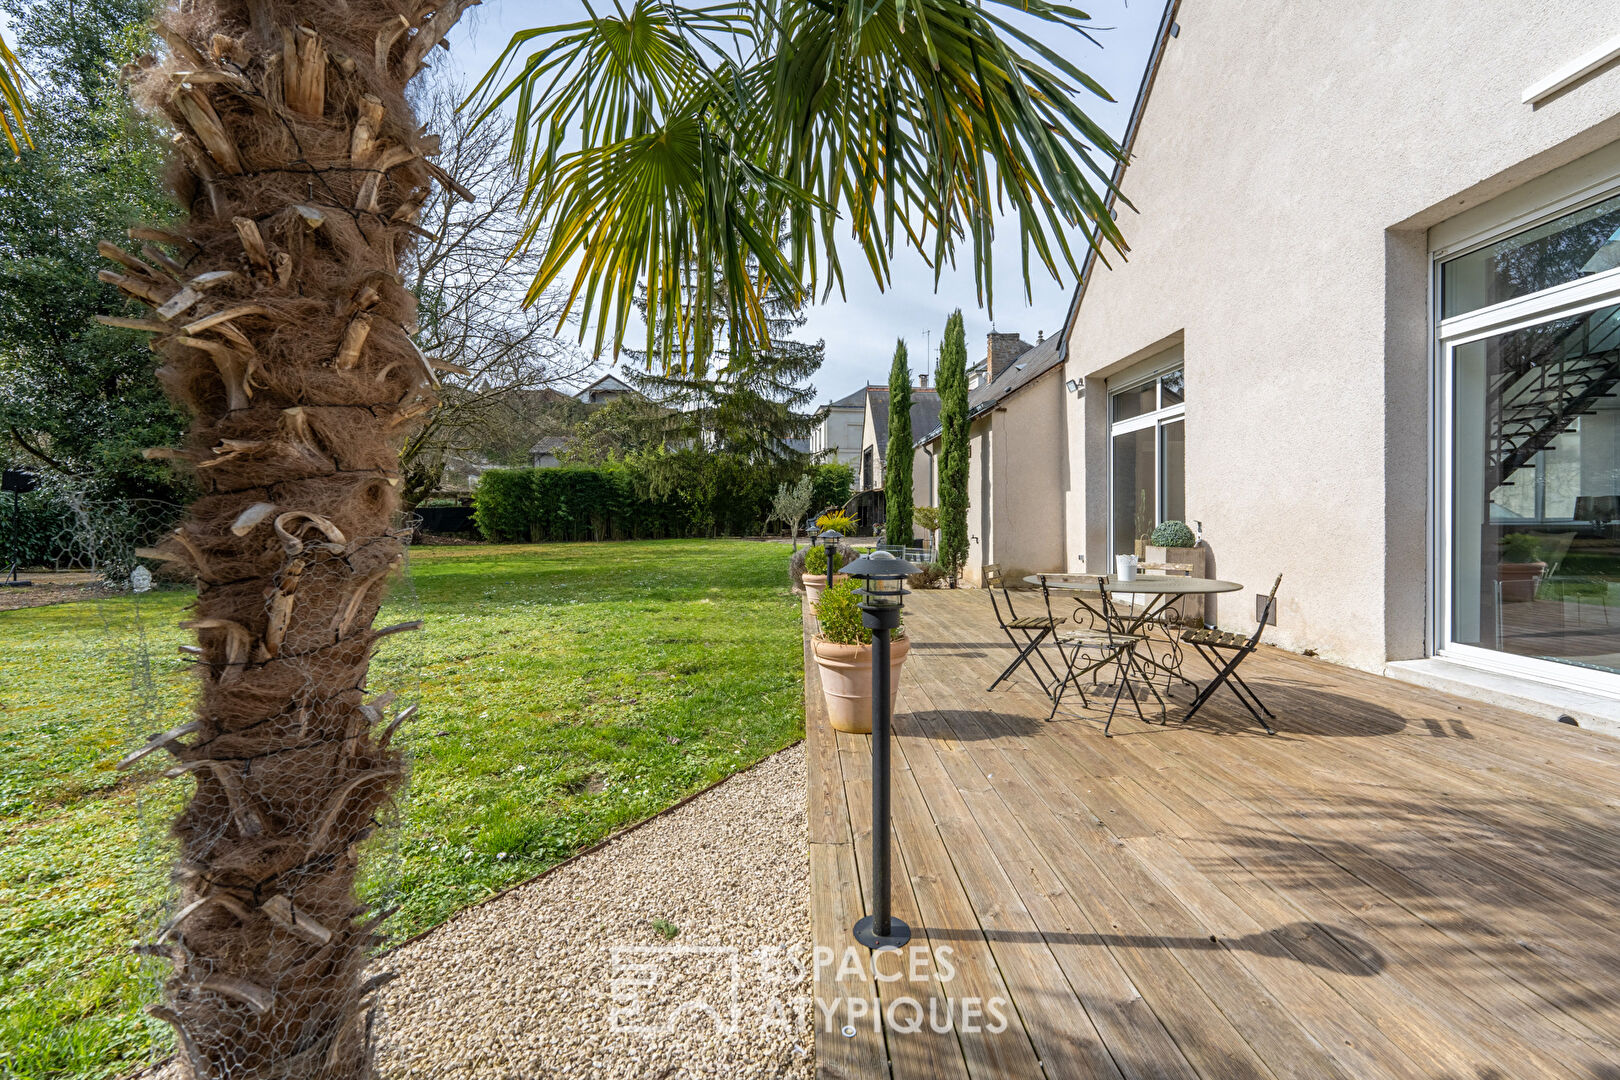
<point x="662" y="141"/>
<point x="13" y="103"/>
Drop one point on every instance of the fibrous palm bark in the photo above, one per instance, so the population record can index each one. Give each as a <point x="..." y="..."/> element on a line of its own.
<point x="282" y="323"/>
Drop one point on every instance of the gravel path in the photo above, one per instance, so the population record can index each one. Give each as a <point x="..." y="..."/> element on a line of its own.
<point x="574" y="975"/>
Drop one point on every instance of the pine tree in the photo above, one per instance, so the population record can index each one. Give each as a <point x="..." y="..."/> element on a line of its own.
<point x="953" y="447"/>
<point x="897" y="456"/>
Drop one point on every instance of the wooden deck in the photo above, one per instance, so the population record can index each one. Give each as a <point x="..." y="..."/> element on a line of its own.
<point x="1398" y="884"/>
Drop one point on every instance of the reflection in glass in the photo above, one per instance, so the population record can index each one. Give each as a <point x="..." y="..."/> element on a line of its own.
<point x="1536" y="540"/>
<point x="1135" y="402"/>
<point x="1173" y="469"/>
<point x="1134" y="495"/>
<point x="1583" y="242"/>
<point x="1173" y="387"/>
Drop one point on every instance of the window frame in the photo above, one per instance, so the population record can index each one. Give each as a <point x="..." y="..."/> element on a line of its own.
<point x="1156" y="419"/>
<point x="1575" y="297"/>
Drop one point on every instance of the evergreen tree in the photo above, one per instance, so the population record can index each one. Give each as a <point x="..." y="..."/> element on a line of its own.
<point x="77" y="398"/>
<point x="897" y="456"/>
<point x="953" y="447"/>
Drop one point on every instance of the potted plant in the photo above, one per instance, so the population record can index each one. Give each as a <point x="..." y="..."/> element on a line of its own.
<point x="1170" y="545"/>
<point x="1520" y="567"/>
<point x="926" y="518"/>
<point x="814" y="577"/>
<point x="843" y="650"/>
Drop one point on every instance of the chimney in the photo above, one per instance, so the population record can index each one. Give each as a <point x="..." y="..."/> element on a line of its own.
<point x="1001" y="351"/>
<point x="922" y="380"/>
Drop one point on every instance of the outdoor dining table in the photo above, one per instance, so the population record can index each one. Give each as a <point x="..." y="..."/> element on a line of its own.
<point x="1160" y="590"/>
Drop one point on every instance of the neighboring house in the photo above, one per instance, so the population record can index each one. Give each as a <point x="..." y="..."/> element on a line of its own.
<point x="603" y="390"/>
<point x="1016" y="473"/>
<point x="875" y="443"/>
<point x="1369" y="335"/>
<point x="545" y="453"/>
<point x="838" y="429"/>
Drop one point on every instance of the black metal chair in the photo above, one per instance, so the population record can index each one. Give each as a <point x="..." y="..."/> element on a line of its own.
<point x="1100" y="646"/>
<point x="1212" y="645"/>
<point x="1034" y="628"/>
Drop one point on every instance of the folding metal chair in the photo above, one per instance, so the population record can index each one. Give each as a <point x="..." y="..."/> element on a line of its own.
<point x="1034" y="628"/>
<point x="1100" y="646"/>
<point x="1212" y="644"/>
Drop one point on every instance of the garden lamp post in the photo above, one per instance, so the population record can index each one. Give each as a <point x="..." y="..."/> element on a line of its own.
<point x="18" y="483"/>
<point x="829" y="543"/>
<point x="883" y="595"/>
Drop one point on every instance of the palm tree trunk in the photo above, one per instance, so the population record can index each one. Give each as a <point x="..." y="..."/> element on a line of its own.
<point x="278" y="311"/>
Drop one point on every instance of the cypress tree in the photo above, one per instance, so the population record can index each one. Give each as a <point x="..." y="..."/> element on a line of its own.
<point x="897" y="456"/>
<point x="953" y="447"/>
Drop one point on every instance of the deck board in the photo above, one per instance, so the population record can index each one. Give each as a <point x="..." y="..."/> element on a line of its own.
<point x="1399" y="884"/>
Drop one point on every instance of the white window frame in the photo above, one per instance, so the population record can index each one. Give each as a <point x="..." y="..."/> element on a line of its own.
<point x="1560" y="301"/>
<point x="1154" y="418"/>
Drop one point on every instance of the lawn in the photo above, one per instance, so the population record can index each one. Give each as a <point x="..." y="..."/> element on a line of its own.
<point x="567" y="691"/>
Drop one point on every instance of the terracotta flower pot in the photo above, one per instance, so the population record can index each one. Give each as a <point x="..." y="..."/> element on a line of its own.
<point x="846" y="681"/>
<point x="815" y="584"/>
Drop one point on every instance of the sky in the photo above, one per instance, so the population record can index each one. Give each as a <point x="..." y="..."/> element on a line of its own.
<point x="860" y="328"/>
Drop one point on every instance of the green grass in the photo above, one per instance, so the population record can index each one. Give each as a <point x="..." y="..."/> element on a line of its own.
<point x="567" y="690"/>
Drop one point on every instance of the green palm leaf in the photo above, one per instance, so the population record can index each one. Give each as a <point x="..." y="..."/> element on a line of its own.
<point x="661" y="142"/>
<point x="13" y="104"/>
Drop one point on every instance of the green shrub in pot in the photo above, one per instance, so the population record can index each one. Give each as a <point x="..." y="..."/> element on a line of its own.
<point x="839" y="613"/>
<point x="815" y="560"/>
<point x="1172" y="534"/>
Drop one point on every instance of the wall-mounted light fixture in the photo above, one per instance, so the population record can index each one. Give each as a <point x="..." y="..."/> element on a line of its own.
<point x="1077" y="386"/>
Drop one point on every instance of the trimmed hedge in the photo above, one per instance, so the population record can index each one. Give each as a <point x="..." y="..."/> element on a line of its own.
<point x="646" y="497"/>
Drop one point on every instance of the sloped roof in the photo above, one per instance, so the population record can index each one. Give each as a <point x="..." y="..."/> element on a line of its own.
<point x="1110" y="198"/>
<point x="550" y="444"/>
<point x="1013" y="378"/>
<point x="851" y="401"/>
<point x="924" y="412"/>
<point x="609" y="383"/>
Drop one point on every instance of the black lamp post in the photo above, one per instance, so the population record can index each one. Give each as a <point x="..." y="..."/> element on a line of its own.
<point x="882" y="598"/>
<point x="18" y="483"/>
<point x="829" y="543"/>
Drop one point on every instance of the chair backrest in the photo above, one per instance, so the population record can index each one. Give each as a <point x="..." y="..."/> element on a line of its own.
<point x="1265" y="613"/>
<point x="993" y="581"/>
<point x="1109" y="618"/>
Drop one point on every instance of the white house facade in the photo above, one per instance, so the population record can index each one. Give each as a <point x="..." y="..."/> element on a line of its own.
<point x="1368" y="335"/>
<point x="839" y="430"/>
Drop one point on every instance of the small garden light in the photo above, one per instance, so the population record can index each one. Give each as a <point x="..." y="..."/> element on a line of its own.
<point x="883" y="595"/>
<point x="829" y="543"/>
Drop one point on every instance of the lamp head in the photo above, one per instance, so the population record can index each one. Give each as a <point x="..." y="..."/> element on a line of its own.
<point x="885" y="576"/>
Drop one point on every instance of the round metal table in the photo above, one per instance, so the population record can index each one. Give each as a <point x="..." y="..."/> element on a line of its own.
<point x="1161" y="590"/>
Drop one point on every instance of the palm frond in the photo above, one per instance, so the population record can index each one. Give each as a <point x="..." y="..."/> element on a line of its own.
<point x="13" y="103"/>
<point x="661" y="142"/>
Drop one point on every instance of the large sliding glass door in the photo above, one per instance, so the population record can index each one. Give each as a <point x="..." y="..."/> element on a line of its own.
<point x="1530" y="450"/>
<point x="1147" y="452"/>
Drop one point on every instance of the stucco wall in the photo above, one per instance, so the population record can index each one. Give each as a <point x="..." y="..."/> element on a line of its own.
<point x="842" y="430"/>
<point x="1026" y="490"/>
<point x="1286" y="170"/>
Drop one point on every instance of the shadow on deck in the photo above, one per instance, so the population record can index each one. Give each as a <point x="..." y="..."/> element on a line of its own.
<point x="1397" y="884"/>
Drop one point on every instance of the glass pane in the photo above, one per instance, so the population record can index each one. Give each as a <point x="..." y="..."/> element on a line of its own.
<point x="1134" y="498"/>
<point x="1536" y="511"/>
<point x="1173" y="389"/>
<point x="1585" y="241"/>
<point x="1135" y="401"/>
<point x="1172" y="464"/>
